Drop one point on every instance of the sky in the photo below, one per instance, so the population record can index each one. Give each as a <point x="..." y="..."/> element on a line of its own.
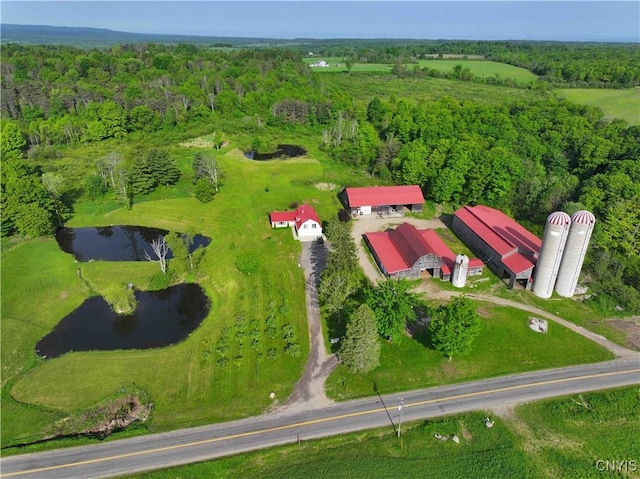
<point x="472" y="20"/>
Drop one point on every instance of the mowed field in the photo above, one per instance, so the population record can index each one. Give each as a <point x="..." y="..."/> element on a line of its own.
<point x="338" y="64"/>
<point x="482" y="69"/>
<point x="623" y="104"/>
<point x="544" y="440"/>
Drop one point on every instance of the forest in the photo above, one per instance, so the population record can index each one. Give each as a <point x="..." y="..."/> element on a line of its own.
<point x="528" y="156"/>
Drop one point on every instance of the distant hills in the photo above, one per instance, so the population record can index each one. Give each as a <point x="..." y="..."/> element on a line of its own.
<point x="83" y="37"/>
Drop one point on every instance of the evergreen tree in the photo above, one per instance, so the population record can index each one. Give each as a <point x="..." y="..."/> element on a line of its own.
<point x="360" y="349"/>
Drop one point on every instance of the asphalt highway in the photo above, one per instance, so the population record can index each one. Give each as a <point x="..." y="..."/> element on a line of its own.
<point x="156" y="451"/>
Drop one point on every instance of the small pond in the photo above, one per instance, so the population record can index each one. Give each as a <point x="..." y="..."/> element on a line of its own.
<point x="283" y="151"/>
<point x="161" y="318"/>
<point x="114" y="243"/>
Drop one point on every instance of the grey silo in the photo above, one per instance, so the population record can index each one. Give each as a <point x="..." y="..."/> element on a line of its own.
<point x="460" y="271"/>
<point x="575" y="250"/>
<point x="553" y="244"/>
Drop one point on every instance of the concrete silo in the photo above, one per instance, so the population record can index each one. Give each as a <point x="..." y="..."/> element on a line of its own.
<point x="553" y="244"/>
<point x="460" y="271"/>
<point x="574" y="252"/>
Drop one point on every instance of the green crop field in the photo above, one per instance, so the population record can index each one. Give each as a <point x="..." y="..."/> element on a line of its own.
<point x="542" y="440"/>
<point x="482" y="69"/>
<point x="623" y="104"/>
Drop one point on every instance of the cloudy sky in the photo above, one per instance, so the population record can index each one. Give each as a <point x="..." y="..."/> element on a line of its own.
<point x="475" y="20"/>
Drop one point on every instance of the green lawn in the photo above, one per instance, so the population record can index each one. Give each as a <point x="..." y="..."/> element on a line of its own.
<point x="40" y="285"/>
<point x="542" y="440"/>
<point x="505" y="345"/>
<point x="482" y="69"/>
<point x="623" y="104"/>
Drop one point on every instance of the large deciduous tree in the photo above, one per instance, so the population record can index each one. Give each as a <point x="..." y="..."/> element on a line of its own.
<point x="392" y="303"/>
<point x="454" y="327"/>
<point x="360" y="349"/>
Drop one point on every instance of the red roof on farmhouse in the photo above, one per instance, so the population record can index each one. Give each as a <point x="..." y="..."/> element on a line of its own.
<point x="299" y="216"/>
<point x="499" y="231"/>
<point x="384" y="195"/>
<point x="282" y="216"/>
<point x="305" y="213"/>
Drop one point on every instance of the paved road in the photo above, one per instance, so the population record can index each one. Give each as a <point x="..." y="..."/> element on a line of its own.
<point x="197" y="444"/>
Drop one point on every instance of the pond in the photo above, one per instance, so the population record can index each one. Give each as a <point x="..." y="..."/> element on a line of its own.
<point x="161" y="318"/>
<point x="283" y="151"/>
<point x="114" y="243"/>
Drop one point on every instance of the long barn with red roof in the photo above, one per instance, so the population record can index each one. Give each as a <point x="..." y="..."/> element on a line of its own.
<point x="508" y="248"/>
<point x="382" y="200"/>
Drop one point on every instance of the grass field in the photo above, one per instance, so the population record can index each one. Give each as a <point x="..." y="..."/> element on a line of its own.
<point x="623" y="104"/>
<point x="40" y="285"/>
<point x="550" y="439"/>
<point x="363" y="87"/>
<point x="482" y="69"/>
<point x="337" y="64"/>
<point x="504" y="345"/>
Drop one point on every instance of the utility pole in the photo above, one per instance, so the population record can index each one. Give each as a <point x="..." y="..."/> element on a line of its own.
<point x="400" y="409"/>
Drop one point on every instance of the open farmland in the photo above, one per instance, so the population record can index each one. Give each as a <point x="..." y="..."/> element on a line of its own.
<point x="337" y="64"/>
<point x="363" y="87"/>
<point x="482" y="69"/>
<point x="623" y="104"/>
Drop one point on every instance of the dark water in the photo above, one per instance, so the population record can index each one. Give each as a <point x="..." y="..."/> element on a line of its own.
<point x="283" y="151"/>
<point x="161" y="318"/>
<point x="114" y="243"/>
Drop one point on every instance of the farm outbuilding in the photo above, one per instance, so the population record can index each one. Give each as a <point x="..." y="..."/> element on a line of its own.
<point x="406" y="251"/>
<point x="382" y="200"/>
<point x="508" y="248"/>
<point x="304" y="221"/>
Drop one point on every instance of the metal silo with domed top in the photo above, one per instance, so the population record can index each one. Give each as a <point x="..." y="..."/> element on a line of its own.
<point x="460" y="271"/>
<point x="575" y="250"/>
<point x="553" y="245"/>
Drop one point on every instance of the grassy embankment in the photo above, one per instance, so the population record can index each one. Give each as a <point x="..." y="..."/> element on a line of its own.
<point x="549" y="439"/>
<point x="623" y="104"/>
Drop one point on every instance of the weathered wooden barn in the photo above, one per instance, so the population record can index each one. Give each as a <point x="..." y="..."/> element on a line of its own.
<point x="406" y="252"/>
